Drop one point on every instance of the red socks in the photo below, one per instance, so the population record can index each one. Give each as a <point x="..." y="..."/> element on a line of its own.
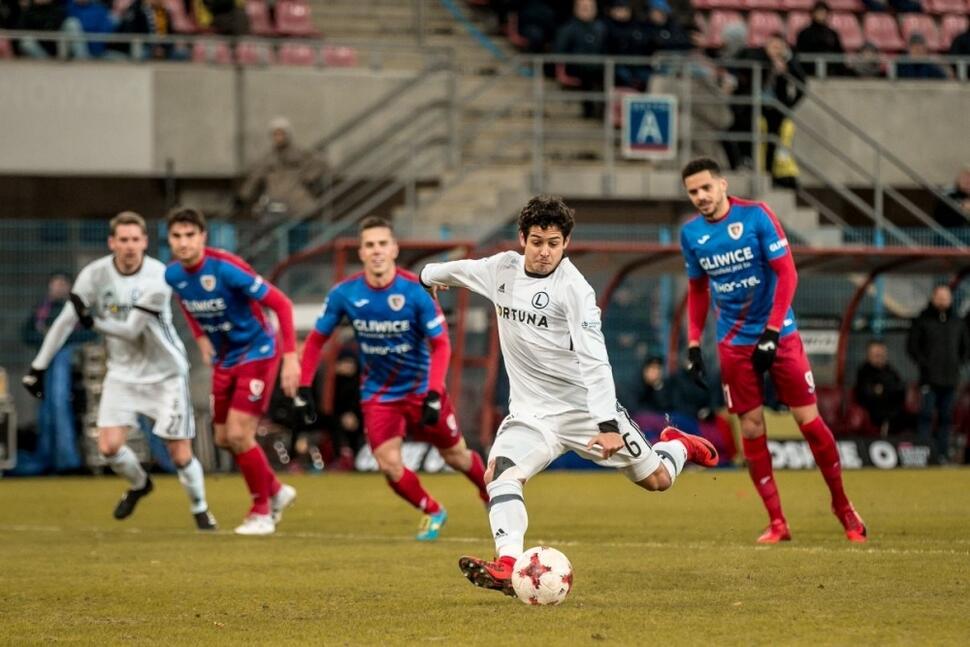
<point x="826" y="454"/>
<point x="260" y="478"/>
<point x="476" y="474"/>
<point x="409" y="488"/>
<point x="759" y="467"/>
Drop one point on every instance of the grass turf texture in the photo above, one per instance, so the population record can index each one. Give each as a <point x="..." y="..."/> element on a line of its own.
<point x="673" y="568"/>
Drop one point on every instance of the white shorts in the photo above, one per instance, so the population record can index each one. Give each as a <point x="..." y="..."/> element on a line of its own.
<point x="166" y="402"/>
<point x="532" y="443"/>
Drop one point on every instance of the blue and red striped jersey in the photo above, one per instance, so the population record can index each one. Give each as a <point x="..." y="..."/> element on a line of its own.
<point x="735" y="253"/>
<point x="392" y="325"/>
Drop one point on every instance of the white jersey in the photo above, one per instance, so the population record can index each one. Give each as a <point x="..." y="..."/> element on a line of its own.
<point x="157" y="353"/>
<point x="549" y="330"/>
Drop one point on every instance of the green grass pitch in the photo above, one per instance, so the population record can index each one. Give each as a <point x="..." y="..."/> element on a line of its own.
<point x="679" y="568"/>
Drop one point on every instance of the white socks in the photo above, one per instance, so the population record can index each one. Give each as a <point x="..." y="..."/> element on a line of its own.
<point x="507" y="516"/>
<point x="193" y="480"/>
<point x="125" y="463"/>
<point x="672" y="455"/>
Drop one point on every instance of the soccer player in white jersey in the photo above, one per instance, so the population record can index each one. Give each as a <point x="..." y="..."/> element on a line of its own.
<point x="124" y="296"/>
<point x="562" y="392"/>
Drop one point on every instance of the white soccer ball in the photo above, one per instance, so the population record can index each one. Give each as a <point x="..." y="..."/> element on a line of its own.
<point x="542" y="575"/>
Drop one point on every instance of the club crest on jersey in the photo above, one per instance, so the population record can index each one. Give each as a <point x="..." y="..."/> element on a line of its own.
<point x="395" y="301"/>
<point x="256" y="390"/>
<point x="208" y="282"/>
<point x="540" y="300"/>
<point x="735" y="229"/>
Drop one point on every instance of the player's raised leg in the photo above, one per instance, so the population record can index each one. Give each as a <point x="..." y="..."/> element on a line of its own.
<point x="124" y="462"/>
<point x="826" y="453"/>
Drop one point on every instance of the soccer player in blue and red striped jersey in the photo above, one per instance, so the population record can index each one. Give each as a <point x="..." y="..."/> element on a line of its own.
<point x="223" y="298"/>
<point x="737" y="250"/>
<point x="404" y="352"/>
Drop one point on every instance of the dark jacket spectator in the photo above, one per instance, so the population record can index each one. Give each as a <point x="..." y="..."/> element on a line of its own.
<point x="663" y="31"/>
<point x="656" y="394"/>
<point x="149" y="17"/>
<point x="938" y="342"/>
<point x="867" y="63"/>
<point x="9" y="14"/>
<point x="961" y="45"/>
<point x="946" y="215"/>
<point x="918" y="65"/>
<point x="626" y="36"/>
<point x="539" y="20"/>
<point x="584" y="35"/>
<point x="819" y="38"/>
<point x="879" y="389"/>
<point x="42" y="15"/>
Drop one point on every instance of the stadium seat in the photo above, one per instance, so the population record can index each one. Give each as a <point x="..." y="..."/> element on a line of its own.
<point x="952" y="26"/>
<point x="211" y="51"/>
<point x="920" y="23"/>
<point x="795" y="23"/>
<point x="293" y="19"/>
<point x="880" y="29"/>
<point x="512" y="31"/>
<point x="725" y="4"/>
<point x="181" y="22"/>
<point x="339" y="56"/>
<point x="6" y="50"/>
<point x="946" y="6"/>
<point x="761" y="25"/>
<point x="253" y="53"/>
<point x="765" y="5"/>
<point x="797" y="5"/>
<point x="848" y="29"/>
<point x="297" y="54"/>
<point x="716" y="25"/>
<point x="855" y="6"/>
<point x="700" y="5"/>
<point x="259" y="19"/>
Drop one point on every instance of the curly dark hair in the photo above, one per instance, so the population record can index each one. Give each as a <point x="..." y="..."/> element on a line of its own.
<point x="545" y="211"/>
<point x="700" y="165"/>
<point x="186" y="215"/>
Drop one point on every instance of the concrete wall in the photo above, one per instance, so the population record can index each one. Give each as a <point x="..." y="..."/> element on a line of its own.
<point x="97" y="119"/>
<point x="925" y="123"/>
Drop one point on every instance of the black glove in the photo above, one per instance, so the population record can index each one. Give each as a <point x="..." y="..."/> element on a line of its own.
<point x="764" y="351"/>
<point x="305" y="406"/>
<point x="431" y="409"/>
<point x="34" y="382"/>
<point x="695" y="366"/>
<point x="609" y="427"/>
<point x="82" y="312"/>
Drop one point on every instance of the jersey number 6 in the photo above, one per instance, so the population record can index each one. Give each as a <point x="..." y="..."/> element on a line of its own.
<point x="632" y="446"/>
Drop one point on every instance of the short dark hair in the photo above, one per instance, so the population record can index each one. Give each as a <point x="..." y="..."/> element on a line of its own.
<point x="875" y="342"/>
<point x="186" y="215"/>
<point x="700" y="165"/>
<point x="821" y="4"/>
<point x="127" y="218"/>
<point x="545" y="211"/>
<point x="373" y="222"/>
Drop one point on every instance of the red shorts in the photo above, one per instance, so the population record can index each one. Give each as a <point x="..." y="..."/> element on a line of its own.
<point x="245" y="387"/>
<point x="791" y="373"/>
<point x="386" y="420"/>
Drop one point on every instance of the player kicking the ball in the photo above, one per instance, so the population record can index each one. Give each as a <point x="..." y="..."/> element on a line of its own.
<point x="222" y="297"/>
<point x="125" y="297"/>
<point x="402" y="381"/>
<point x="738" y="250"/>
<point x="562" y="392"/>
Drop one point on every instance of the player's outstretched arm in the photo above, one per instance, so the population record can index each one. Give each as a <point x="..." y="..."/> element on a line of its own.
<point x="478" y="275"/>
<point x="129" y="329"/>
<point x="58" y="333"/>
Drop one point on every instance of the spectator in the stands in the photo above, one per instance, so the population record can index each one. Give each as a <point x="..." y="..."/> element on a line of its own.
<point x="906" y="6"/>
<point x="781" y="74"/>
<point x="959" y="193"/>
<point x="150" y="17"/>
<point x="226" y="17"/>
<point x="49" y="15"/>
<point x="819" y="38"/>
<point x="867" y="62"/>
<point x="939" y="345"/>
<point x="95" y="18"/>
<point x="960" y="46"/>
<point x="664" y="32"/>
<point x="9" y="14"/>
<point x="736" y="80"/>
<point x="917" y="63"/>
<point x="656" y="396"/>
<point x="626" y="36"/>
<point x="286" y="182"/>
<point x="584" y="34"/>
<point x="539" y="20"/>
<point x="879" y="389"/>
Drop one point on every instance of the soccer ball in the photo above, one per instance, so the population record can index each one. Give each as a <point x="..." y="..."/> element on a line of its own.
<point x="542" y="575"/>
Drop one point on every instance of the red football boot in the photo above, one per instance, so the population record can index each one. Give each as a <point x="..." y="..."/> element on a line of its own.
<point x="495" y="575"/>
<point x="855" y="527"/>
<point x="776" y="532"/>
<point x="699" y="450"/>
